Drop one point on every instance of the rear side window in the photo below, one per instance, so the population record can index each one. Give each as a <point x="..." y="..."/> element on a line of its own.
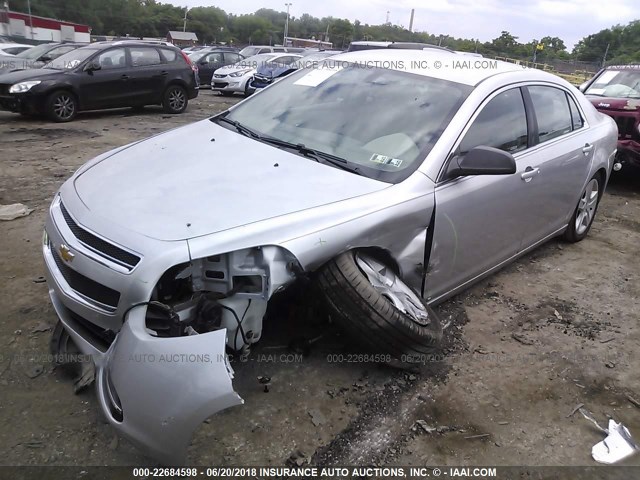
<point x="576" y="119"/>
<point x="266" y="50"/>
<point x="552" y="112"/>
<point x="142" y="57"/>
<point x="502" y="124"/>
<point x="169" y="55"/>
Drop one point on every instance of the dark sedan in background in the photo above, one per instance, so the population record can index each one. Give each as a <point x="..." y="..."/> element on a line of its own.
<point x="99" y="76"/>
<point x="270" y="72"/>
<point x="209" y="60"/>
<point x="36" y="57"/>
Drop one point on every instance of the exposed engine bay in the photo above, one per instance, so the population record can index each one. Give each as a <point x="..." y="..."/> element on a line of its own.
<point x="228" y="291"/>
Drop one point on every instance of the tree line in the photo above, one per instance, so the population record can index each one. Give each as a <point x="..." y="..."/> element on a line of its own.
<point x="149" y="18"/>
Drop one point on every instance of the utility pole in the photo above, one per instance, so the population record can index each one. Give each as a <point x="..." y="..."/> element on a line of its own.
<point x="286" y="26"/>
<point x="387" y="22"/>
<point x="606" y="52"/>
<point x="30" y="18"/>
<point x="184" y="24"/>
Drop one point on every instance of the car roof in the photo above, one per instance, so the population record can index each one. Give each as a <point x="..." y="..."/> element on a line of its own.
<point x="452" y="66"/>
<point x="137" y="43"/>
<point x="632" y="66"/>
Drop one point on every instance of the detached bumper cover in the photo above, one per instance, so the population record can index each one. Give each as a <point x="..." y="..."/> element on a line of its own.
<point x="157" y="391"/>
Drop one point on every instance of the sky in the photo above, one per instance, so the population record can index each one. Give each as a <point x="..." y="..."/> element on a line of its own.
<point x="570" y="20"/>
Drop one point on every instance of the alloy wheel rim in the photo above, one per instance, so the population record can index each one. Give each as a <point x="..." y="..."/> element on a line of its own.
<point x="587" y="207"/>
<point x="390" y="286"/>
<point x="176" y="99"/>
<point x="64" y="106"/>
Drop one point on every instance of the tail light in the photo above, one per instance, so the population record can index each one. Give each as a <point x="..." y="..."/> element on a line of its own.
<point x="193" y="66"/>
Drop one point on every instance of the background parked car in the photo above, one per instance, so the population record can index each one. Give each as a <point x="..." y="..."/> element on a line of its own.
<point x="209" y="60"/>
<point x="236" y="78"/>
<point x="252" y="50"/>
<point x="109" y="75"/>
<point x="36" y="57"/>
<point x="13" y="48"/>
<point x="270" y="72"/>
<point x="615" y="91"/>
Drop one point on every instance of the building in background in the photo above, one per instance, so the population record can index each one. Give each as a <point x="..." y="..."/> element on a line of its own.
<point x="182" y="39"/>
<point x="25" y="28"/>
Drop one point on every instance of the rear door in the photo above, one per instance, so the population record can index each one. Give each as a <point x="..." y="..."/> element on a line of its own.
<point x="148" y="74"/>
<point x="479" y="220"/>
<point x="557" y="166"/>
<point x="109" y="86"/>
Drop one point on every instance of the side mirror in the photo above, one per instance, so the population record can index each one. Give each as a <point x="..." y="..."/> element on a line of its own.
<point x="45" y="58"/>
<point x="482" y="161"/>
<point x="92" y="66"/>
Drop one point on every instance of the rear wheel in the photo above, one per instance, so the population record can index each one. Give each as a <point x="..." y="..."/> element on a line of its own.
<point x="175" y="99"/>
<point x="585" y="212"/>
<point x="377" y="308"/>
<point x="61" y="106"/>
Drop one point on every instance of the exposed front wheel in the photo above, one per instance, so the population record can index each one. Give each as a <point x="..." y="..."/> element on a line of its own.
<point x="61" y="106"/>
<point x="175" y="99"/>
<point x="377" y="308"/>
<point x="585" y="212"/>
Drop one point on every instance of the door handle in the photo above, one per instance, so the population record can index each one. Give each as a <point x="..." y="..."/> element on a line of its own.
<point x="529" y="173"/>
<point x="587" y="148"/>
<point x="125" y="77"/>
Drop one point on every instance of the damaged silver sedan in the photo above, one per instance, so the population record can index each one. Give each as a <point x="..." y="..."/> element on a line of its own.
<point x="390" y="185"/>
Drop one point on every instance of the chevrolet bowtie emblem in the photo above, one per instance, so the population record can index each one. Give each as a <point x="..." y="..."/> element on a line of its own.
<point x="66" y="253"/>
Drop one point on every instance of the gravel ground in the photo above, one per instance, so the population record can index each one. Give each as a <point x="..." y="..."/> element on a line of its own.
<point x="556" y="329"/>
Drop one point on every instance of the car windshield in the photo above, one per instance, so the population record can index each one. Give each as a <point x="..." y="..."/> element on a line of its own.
<point x="379" y="122"/>
<point x="35" y="52"/>
<point x="71" y="59"/>
<point x="617" y="84"/>
<point x="250" y="51"/>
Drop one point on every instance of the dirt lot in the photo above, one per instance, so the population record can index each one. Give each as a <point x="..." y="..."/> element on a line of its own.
<point x="556" y="329"/>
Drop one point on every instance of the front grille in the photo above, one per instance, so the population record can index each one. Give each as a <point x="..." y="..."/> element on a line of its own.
<point x="4" y="89"/>
<point x="220" y="84"/>
<point x="625" y="126"/>
<point x="219" y="75"/>
<point x="100" y="246"/>
<point x="85" y="286"/>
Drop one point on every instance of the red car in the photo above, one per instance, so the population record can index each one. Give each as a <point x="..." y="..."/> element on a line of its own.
<point x="615" y="91"/>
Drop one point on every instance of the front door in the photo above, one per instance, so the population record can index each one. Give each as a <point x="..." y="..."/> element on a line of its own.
<point x="480" y="220"/>
<point x="109" y="86"/>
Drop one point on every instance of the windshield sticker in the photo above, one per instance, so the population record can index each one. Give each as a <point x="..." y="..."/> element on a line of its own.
<point x="385" y="160"/>
<point x="607" y="76"/>
<point x="316" y="76"/>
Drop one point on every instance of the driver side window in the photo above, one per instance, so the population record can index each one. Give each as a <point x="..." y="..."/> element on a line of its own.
<point x="114" y="58"/>
<point x="502" y="124"/>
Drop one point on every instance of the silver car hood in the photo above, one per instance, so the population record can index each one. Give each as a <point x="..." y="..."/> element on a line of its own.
<point x="204" y="178"/>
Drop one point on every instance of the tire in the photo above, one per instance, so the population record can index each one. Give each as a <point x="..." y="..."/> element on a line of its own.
<point x="585" y="211"/>
<point x="369" y="314"/>
<point x="61" y="106"/>
<point x="248" y="91"/>
<point x="175" y="99"/>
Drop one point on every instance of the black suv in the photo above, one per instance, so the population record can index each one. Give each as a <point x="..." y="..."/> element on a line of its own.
<point x="99" y="76"/>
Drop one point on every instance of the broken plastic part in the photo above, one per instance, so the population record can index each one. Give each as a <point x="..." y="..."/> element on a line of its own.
<point x="156" y="391"/>
<point x="616" y="447"/>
